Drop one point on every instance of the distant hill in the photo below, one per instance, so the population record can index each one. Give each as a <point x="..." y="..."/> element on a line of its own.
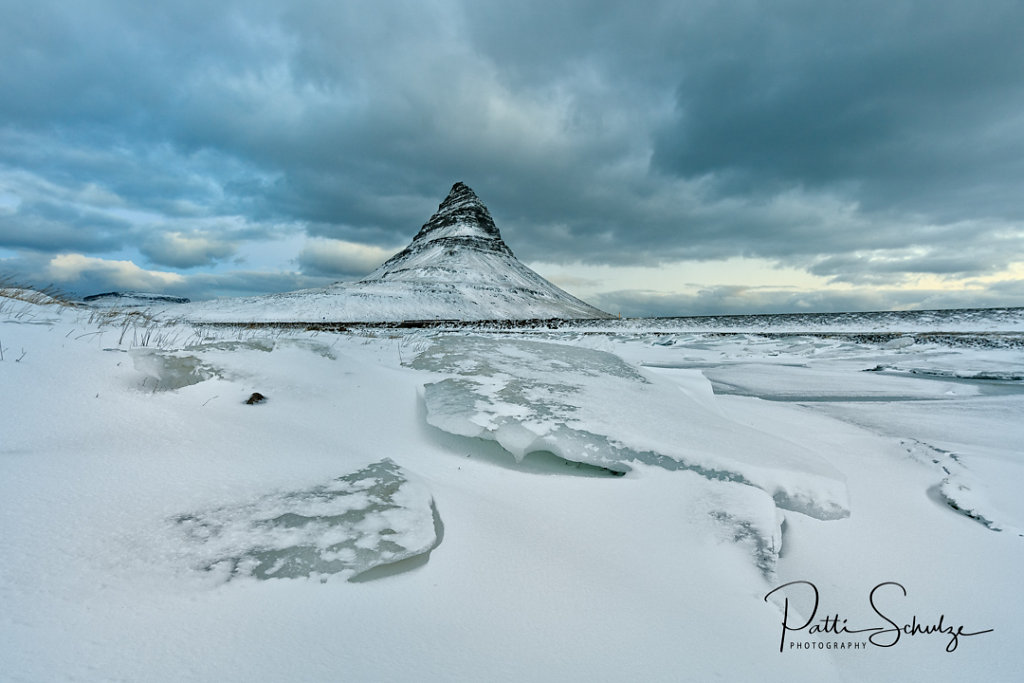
<point x="132" y="299"/>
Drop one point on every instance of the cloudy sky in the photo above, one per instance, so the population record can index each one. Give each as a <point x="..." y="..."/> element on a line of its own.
<point x="678" y="157"/>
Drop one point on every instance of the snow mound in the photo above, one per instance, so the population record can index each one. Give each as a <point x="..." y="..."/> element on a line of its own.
<point x="369" y="518"/>
<point x="591" y="406"/>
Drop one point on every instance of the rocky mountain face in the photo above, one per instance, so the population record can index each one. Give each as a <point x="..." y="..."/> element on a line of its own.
<point x="457" y="267"/>
<point x="461" y="228"/>
<point x="461" y="222"/>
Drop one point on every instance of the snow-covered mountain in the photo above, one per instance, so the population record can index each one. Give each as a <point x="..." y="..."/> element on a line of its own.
<point x="456" y="268"/>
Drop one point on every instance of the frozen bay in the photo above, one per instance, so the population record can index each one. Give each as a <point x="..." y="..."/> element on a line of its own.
<point x="515" y="553"/>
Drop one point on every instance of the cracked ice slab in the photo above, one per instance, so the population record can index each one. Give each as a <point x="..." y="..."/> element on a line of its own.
<point x="591" y="406"/>
<point x="372" y="517"/>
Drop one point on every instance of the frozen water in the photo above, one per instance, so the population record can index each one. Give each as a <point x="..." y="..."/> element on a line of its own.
<point x="591" y="406"/>
<point x="170" y="370"/>
<point x="970" y="372"/>
<point x="828" y="383"/>
<point x="954" y="409"/>
<point x="375" y="516"/>
<point x="116" y="502"/>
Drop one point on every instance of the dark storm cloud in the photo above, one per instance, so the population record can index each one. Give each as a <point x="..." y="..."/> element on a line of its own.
<point x="906" y="105"/>
<point x="58" y="233"/>
<point x="864" y="142"/>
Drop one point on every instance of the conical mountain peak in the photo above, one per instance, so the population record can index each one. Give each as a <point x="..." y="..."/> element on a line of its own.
<point x="456" y="268"/>
<point x="461" y="214"/>
<point x="462" y="225"/>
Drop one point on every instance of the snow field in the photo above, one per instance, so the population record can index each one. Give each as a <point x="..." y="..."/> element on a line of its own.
<point x="543" y="570"/>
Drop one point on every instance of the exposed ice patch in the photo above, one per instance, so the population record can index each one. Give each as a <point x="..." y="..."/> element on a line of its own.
<point x="369" y="518"/>
<point x="170" y="370"/>
<point x="776" y="382"/>
<point x="900" y="342"/>
<point x="590" y="406"/>
<point x="256" y="344"/>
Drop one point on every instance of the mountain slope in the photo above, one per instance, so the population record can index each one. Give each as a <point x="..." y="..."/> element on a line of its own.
<point x="457" y="267"/>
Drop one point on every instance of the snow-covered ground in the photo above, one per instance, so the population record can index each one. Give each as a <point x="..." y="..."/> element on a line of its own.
<point x="616" y="505"/>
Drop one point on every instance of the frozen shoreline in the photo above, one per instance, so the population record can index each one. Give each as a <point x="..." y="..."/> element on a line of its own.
<point x="525" y="570"/>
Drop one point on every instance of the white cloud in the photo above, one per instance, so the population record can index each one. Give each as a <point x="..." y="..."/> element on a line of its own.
<point x="72" y="269"/>
<point x="322" y="256"/>
<point x="182" y="250"/>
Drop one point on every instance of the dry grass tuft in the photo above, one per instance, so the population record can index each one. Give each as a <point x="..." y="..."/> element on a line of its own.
<point x="47" y="296"/>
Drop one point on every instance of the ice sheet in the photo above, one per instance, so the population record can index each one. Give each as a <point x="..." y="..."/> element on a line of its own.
<point x="591" y="406"/>
<point x="372" y="517"/>
<point x="805" y="383"/>
<point x="954" y="409"/>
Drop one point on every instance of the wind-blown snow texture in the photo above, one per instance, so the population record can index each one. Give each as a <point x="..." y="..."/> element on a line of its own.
<point x="158" y="528"/>
<point x="456" y="268"/>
